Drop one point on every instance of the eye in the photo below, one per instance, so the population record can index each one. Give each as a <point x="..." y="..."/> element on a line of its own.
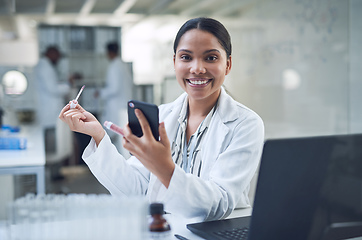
<point x="211" y="58"/>
<point x="185" y="57"/>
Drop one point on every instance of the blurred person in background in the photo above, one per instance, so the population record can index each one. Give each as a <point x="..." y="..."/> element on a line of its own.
<point x="51" y="94"/>
<point x="117" y="90"/>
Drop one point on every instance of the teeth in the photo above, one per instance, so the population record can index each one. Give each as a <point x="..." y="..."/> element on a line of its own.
<point x="198" y="82"/>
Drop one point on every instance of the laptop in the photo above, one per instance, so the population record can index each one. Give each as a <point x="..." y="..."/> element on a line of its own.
<point x="308" y="188"/>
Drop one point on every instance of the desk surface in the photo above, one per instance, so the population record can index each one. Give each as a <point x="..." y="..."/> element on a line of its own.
<point x="33" y="155"/>
<point x="178" y="225"/>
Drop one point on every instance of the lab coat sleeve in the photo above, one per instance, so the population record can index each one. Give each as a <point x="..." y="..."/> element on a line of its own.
<point x="112" y="170"/>
<point x="228" y="180"/>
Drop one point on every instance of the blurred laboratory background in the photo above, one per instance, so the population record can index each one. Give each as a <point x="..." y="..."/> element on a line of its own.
<point x="298" y="64"/>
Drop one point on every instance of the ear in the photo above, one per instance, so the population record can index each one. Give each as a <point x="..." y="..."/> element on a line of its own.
<point x="174" y="59"/>
<point x="228" y="65"/>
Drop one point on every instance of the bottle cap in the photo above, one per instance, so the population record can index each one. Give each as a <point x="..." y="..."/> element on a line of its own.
<point x="73" y="104"/>
<point x="156" y="208"/>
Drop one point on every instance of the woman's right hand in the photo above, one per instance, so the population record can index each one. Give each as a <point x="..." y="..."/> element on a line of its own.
<point x="79" y="120"/>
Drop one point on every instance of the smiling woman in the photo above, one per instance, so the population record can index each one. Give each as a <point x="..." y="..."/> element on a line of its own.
<point x="209" y="147"/>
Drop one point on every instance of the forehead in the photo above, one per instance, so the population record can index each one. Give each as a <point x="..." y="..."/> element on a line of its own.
<point x="197" y="39"/>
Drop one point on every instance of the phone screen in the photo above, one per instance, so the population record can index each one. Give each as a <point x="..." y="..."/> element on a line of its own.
<point x="151" y="113"/>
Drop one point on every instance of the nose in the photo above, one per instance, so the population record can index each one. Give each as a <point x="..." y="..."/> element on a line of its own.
<point x="197" y="67"/>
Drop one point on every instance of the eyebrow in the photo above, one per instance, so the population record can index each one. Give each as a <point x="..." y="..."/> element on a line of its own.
<point x="207" y="51"/>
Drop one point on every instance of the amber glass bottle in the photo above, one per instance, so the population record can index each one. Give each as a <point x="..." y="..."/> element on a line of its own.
<point x="159" y="228"/>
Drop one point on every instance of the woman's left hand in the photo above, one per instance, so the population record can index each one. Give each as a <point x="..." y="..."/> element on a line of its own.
<point x="154" y="155"/>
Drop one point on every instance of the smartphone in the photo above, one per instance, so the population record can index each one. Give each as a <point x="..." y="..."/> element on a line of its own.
<point x="151" y="113"/>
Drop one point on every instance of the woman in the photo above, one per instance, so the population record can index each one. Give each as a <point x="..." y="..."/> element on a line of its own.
<point x="209" y="147"/>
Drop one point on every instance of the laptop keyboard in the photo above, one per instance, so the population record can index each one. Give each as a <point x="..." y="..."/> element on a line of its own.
<point x="234" y="234"/>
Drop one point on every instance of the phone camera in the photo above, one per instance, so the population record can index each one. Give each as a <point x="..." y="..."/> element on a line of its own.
<point x="131" y="104"/>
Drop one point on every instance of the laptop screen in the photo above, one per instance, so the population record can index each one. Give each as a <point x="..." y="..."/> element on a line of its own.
<point x="339" y="208"/>
<point x="309" y="188"/>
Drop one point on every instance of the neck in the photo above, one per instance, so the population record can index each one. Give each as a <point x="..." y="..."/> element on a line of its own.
<point x="202" y="107"/>
<point x="112" y="56"/>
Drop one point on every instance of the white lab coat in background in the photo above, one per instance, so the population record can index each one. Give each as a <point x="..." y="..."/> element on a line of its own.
<point x="116" y="93"/>
<point x="50" y="93"/>
<point x="230" y="153"/>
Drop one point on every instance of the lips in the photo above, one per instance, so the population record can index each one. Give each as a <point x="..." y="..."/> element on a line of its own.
<point x="198" y="82"/>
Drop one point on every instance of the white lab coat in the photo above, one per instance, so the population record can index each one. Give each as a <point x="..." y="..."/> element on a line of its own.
<point x="230" y="156"/>
<point x="116" y="93"/>
<point x="50" y="93"/>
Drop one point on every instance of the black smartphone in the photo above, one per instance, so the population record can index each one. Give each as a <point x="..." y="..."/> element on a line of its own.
<point x="151" y="113"/>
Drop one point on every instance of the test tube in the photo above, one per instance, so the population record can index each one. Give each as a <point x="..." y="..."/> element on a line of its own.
<point x="113" y="127"/>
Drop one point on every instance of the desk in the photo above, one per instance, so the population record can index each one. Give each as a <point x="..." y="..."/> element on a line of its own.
<point x="28" y="161"/>
<point x="178" y="225"/>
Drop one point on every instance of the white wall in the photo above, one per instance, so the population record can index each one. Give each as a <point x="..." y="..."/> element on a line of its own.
<point x="355" y="52"/>
<point x="19" y="52"/>
<point x="149" y="45"/>
<point x="312" y="40"/>
<point x="18" y="41"/>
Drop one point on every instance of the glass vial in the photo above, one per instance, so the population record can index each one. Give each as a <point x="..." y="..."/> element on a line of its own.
<point x="159" y="228"/>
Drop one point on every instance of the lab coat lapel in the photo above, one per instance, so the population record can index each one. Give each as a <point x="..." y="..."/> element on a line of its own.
<point x="215" y="142"/>
<point x="170" y="117"/>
